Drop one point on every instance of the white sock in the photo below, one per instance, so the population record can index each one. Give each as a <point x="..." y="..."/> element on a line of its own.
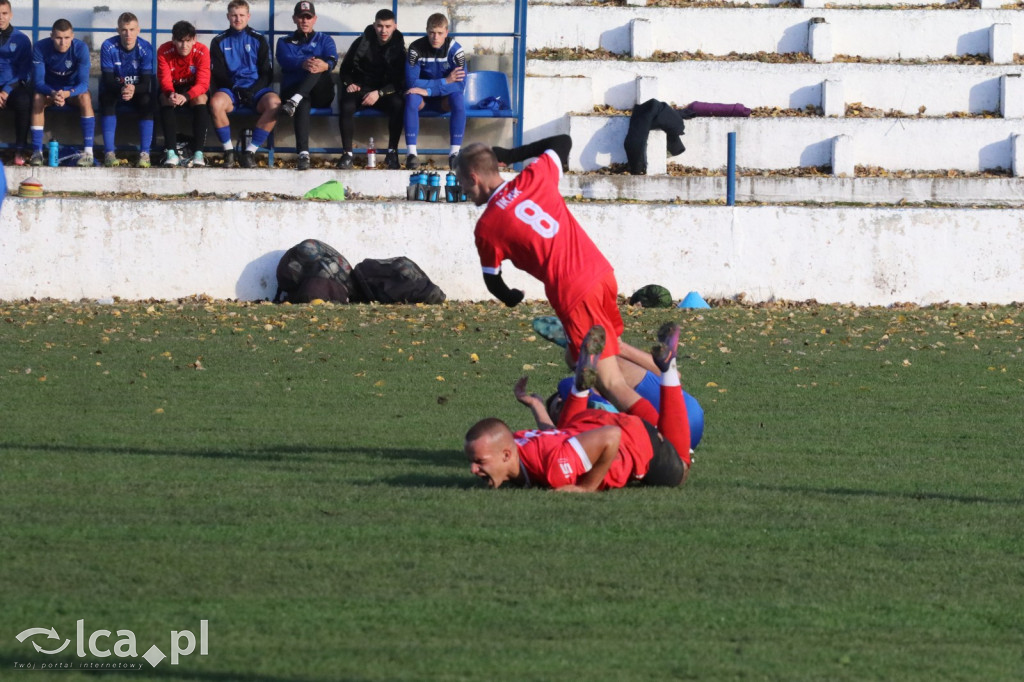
<point x="306" y="154"/>
<point x="585" y="393"/>
<point x="228" y="146"/>
<point x="455" y="149"/>
<point x="251" y="148"/>
<point x="87" y="151"/>
<point x="671" y="377"/>
<point x="412" y="150"/>
<point x="296" y="98"/>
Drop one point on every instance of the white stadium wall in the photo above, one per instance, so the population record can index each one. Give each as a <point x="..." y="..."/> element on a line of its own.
<point x="94" y="248"/>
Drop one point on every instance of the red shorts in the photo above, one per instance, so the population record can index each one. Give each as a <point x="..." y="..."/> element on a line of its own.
<point x="599" y="306"/>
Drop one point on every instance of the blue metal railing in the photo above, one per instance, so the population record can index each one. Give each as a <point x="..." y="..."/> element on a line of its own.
<point x="517" y="34"/>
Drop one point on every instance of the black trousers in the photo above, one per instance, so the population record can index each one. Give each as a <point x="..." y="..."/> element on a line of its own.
<point x="200" y="125"/>
<point x="393" y="105"/>
<point x="20" y="102"/>
<point x="317" y="90"/>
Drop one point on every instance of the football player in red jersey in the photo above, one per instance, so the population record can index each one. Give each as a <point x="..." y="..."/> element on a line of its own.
<point x="590" y="449"/>
<point x="183" y="74"/>
<point x="527" y="222"/>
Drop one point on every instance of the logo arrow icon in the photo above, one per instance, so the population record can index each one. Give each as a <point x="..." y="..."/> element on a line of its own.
<point x="55" y="651"/>
<point x="50" y="634"/>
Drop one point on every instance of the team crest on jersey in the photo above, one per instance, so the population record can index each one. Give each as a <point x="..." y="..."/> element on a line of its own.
<point x="67" y="64"/>
<point x="248" y="48"/>
<point x="192" y="69"/>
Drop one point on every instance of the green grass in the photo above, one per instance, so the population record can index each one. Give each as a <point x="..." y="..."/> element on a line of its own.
<point x="294" y="476"/>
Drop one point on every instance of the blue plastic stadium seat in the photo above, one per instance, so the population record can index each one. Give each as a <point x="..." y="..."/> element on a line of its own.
<point x="487" y="94"/>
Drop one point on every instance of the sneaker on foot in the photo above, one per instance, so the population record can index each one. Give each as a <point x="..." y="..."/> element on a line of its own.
<point x="171" y="158"/>
<point x="590" y="353"/>
<point x="86" y="160"/>
<point x="19" y="158"/>
<point x="36" y="159"/>
<point x="288" y="107"/>
<point x="453" y="161"/>
<point x="144" y="160"/>
<point x="412" y="162"/>
<point x="110" y="159"/>
<point x="303" y="162"/>
<point x="345" y="161"/>
<point x="197" y="160"/>
<point x="229" y="158"/>
<point x="391" y="160"/>
<point x="668" y="341"/>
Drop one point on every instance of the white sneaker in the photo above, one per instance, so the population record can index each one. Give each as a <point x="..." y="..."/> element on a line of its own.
<point x="171" y="158"/>
<point x="197" y="160"/>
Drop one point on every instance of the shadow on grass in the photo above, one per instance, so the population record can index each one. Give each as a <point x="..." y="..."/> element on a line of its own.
<point x="888" y="494"/>
<point x="163" y="671"/>
<point x="277" y="453"/>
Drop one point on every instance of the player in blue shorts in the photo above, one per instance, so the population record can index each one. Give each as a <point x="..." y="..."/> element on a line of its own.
<point x="15" y="78"/>
<point x="435" y="75"/>
<point x="60" y="68"/>
<point x="241" y="71"/>
<point x="126" y="66"/>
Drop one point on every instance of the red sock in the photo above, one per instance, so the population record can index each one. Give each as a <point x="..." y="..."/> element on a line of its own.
<point x="572" y="406"/>
<point x="674" y="423"/>
<point x="643" y="409"/>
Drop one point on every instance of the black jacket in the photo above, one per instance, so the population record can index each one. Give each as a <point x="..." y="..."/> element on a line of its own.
<point x="656" y="115"/>
<point x="374" y="66"/>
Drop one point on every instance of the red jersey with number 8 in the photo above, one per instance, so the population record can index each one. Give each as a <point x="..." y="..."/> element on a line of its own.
<point x="527" y="222"/>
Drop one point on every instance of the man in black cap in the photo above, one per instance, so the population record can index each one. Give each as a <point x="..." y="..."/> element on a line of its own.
<point x="373" y="75"/>
<point x="307" y="59"/>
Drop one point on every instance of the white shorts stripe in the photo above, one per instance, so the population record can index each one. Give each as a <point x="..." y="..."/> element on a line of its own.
<point x="587" y="466"/>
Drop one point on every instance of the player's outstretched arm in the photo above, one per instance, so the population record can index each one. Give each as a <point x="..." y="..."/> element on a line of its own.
<point x="496" y="285"/>
<point x="602" y="447"/>
<point x="534" y="403"/>
<point x="560" y="144"/>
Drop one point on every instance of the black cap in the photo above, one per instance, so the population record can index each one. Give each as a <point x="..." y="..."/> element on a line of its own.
<point x="304" y="7"/>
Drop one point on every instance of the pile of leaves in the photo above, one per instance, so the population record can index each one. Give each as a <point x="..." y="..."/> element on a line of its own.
<point x="566" y="54"/>
<point x="878" y="172"/>
<point x="859" y="110"/>
<point x="964" y="59"/>
<point x="778" y="112"/>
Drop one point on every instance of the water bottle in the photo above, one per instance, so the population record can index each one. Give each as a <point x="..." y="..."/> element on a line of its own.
<point x="421" y="186"/>
<point x="451" y="188"/>
<point x="435" y="188"/>
<point x="54" y="151"/>
<point x="245" y="140"/>
<point x="414" y="181"/>
<point x="371" y="155"/>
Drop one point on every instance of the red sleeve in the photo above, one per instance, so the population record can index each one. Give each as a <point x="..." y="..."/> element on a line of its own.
<point x="491" y="254"/>
<point x="163" y="71"/>
<point x="552" y="458"/>
<point x="202" y="64"/>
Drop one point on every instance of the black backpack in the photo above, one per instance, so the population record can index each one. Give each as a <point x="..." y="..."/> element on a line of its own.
<point x="393" y="280"/>
<point x="311" y="270"/>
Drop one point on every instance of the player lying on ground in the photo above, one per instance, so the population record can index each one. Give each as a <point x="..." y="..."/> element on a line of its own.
<point x="590" y="449"/>
<point x="527" y="222"/>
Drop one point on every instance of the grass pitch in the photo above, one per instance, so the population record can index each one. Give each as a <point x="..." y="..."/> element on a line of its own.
<point x="293" y="476"/>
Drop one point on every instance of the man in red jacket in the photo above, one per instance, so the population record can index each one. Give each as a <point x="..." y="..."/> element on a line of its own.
<point x="183" y="72"/>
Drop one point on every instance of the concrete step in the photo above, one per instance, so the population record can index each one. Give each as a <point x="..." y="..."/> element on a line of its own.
<point x="390" y="186"/>
<point x="968" y="145"/>
<point x="878" y="34"/>
<point x="939" y="88"/>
